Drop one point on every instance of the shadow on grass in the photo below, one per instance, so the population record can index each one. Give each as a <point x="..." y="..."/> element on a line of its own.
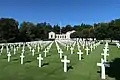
<point x="62" y="56"/>
<point x="114" y="69"/>
<point x="69" y="67"/>
<point x="4" y="58"/>
<point x="88" y="52"/>
<point x="28" y="61"/>
<point x="15" y="59"/>
<point x="111" y="43"/>
<point x="48" y="55"/>
<point x="45" y="64"/>
<point x="82" y="58"/>
<point x="98" y="71"/>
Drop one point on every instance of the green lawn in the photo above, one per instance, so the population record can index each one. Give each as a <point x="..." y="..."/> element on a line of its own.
<point x="52" y="69"/>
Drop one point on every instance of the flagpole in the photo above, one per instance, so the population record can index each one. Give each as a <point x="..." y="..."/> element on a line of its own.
<point x="60" y="29"/>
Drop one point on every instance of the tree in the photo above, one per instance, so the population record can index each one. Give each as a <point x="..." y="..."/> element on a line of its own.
<point x="85" y="33"/>
<point x="43" y="30"/>
<point x="56" y="29"/>
<point x="66" y="28"/>
<point x="28" y="31"/>
<point x="8" y="30"/>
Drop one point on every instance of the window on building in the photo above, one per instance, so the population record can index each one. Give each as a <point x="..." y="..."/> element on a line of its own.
<point x="51" y="36"/>
<point x="65" y="36"/>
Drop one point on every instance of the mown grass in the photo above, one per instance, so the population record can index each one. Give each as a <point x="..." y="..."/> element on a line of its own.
<point x="52" y="68"/>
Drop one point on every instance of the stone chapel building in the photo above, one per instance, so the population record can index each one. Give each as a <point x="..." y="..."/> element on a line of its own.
<point x="52" y="35"/>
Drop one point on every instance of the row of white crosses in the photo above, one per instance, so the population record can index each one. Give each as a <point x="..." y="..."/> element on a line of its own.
<point x="87" y="49"/>
<point x="33" y="51"/>
<point x="92" y="46"/>
<point x="78" y="46"/>
<point x="8" y="49"/>
<point x="68" y="61"/>
<point x="38" y="46"/>
<point x="65" y="60"/>
<point x="72" y="48"/>
<point x="103" y="61"/>
<point x="79" y="51"/>
<point x="12" y="46"/>
<point x="59" y="49"/>
<point x="47" y="49"/>
<point x="105" y="52"/>
<point x="40" y="56"/>
<point x="22" y="54"/>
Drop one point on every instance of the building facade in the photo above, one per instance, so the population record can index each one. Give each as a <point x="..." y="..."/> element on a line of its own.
<point x="52" y="35"/>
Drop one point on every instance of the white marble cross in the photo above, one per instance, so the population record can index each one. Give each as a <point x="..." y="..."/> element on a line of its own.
<point x="65" y="61"/>
<point x="14" y="50"/>
<point x="8" y="56"/>
<point x="17" y="48"/>
<point x="38" y="48"/>
<point x="45" y="51"/>
<point x="21" y="58"/>
<point x="79" y="53"/>
<point x="106" y="46"/>
<point x="91" y="47"/>
<point x="48" y="48"/>
<point x="41" y="47"/>
<point x="40" y="60"/>
<point x="23" y="50"/>
<point x="102" y="68"/>
<point x="105" y="54"/>
<point x="94" y="46"/>
<point x="87" y="49"/>
<point x="35" y="46"/>
<point x="67" y="47"/>
<point x="83" y="45"/>
<point x="33" y="52"/>
<point x="30" y="48"/>
<point x="7" y="49"/>
<point x="74" y="44"/>
<point x="60" y="52"/>
<point x="58" y="49"/>
<point x="105" y="50"/>
<point x="71" y="49"/>
<point x="1" y="50"/>
<point x="78" y="47"/>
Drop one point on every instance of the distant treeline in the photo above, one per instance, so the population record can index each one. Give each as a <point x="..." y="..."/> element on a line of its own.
<point x="28" y="31"/>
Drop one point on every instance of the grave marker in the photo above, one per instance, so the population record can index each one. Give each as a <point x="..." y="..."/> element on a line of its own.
<point x="71" y="50"/>
<point x="45" y="51"/>
<point x="21" y="58"/>
<point x="40" y="60"/>
<point x="87" y="49"/>
<point x="33" y="52"/>
<point x="102" y="68"/>
<point x="79" y="53"/>
<point x="65" y="61"/>
<point x="8" y="56"/>
<point x="60" y="52"/>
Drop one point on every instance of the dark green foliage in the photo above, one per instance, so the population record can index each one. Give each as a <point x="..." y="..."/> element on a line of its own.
<point x="28" y="31"/>
<point x="8" y="30"/>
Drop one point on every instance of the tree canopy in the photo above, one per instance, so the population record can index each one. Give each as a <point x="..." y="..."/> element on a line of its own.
<point x="12" y="31"/>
